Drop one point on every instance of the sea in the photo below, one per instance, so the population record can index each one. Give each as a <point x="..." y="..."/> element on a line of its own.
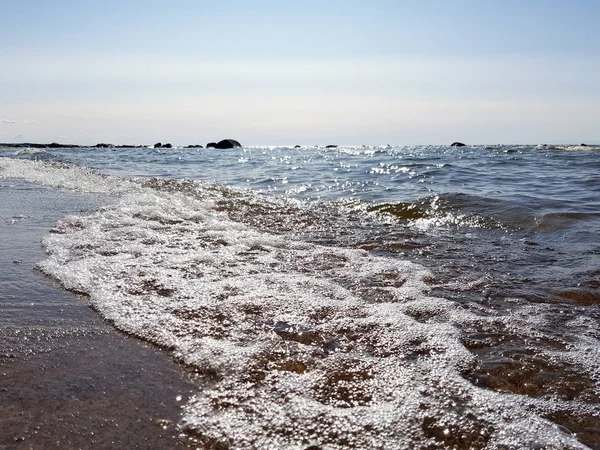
<point x="357" y="297"/>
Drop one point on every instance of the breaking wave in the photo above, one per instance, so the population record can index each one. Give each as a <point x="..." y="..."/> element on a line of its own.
<point x="294" y="344"/>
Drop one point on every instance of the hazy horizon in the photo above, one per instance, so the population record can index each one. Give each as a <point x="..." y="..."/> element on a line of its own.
<point x="267" y="73"/>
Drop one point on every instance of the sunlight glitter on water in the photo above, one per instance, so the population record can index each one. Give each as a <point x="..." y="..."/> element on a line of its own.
<point x="307" y="327"/>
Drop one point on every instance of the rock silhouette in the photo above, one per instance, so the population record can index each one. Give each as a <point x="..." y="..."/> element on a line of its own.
<point x="225" y="143"/>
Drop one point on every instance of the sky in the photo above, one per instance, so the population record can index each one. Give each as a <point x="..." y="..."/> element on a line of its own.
<point x="304" y="72"/>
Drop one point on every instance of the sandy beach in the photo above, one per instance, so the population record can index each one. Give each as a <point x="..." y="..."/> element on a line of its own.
<point x="67" y="379"/>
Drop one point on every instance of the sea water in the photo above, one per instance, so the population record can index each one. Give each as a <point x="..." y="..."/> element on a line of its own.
<point x="350" y="297"/>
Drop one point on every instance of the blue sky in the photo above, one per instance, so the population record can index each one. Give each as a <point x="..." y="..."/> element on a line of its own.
<point x="269" y="72"/>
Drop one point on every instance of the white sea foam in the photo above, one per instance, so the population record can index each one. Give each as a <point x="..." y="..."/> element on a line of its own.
<point x="580" y="147"/>
<point x="64" y="176"/>
<point x="29" y="151"/>
<point x="295" y="344"/>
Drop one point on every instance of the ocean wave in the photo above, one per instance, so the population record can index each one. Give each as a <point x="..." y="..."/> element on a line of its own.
<point x="294" y="344"/>
<point x="63" y="175"/>
<point x="579" y="148"/>
<point x="29" y="151"/>
<point x="442" y="211"/>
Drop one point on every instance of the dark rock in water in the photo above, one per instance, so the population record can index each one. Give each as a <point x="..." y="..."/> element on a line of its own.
<point x="457" y="144"/>
<point x="34" y="145"/>
<point x="331" y="146"/>
<point x="103" y="145"/>
<point x="297" y="146"/>
<point x="57" y="145"/>
<point x="158" y="145"/>
<point x="227" y="143"/>
<point x="13" y="145"/>
<point x="194" y="146"/>
<point x="583" y="145"/>
<point x="167" y="145"/>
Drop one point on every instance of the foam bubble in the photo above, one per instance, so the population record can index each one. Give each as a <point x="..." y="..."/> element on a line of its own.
<point x="64" y="176"/>
<point x="294" y="344"/>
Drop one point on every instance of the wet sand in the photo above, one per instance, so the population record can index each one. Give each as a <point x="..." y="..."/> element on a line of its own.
<point x="67" y="379"/>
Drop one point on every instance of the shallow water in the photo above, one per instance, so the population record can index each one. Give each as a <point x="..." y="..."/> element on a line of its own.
<point x="67" y="379"/>
<point x="426" y="297"/>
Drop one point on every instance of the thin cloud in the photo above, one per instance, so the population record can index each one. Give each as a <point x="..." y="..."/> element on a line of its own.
<point x="16" y="121"/>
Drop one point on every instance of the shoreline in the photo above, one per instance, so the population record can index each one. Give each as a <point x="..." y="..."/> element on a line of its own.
<point x="68" y="379"/>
